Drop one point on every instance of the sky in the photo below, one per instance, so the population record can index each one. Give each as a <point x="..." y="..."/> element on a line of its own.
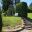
<point x="0" y="3"/>
<point x="27" y="1"/>
<point x="0" y="0"/>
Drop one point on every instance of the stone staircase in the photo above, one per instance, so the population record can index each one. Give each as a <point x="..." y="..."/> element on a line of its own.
<point x="27" y="24"/>
<point x="28" y="27"/>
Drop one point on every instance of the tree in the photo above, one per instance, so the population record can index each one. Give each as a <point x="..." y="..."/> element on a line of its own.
<point x="30" y="7"/>
<point x="10" y="11"/>
<point x="0" y="21"/>
<point x="29" y="10"/>
<point x="6" y="3"/>
<point x="0" y="17"/>
<point x="21" y="8"/>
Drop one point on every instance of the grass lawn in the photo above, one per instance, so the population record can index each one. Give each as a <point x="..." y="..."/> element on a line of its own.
<point x="29" y="15"/>
<point x="12" y="20"/>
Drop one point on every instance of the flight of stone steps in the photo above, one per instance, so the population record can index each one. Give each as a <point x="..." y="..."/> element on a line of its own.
<point x="28" y="27"/>
<point x="27" y="24"/>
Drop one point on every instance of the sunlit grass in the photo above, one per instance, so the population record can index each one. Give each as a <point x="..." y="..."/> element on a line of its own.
<point x="12" y="20"/>
<point x="29" y="15"/>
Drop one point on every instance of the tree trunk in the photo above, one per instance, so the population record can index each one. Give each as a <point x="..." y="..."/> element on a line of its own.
<point x="0" y="23"/>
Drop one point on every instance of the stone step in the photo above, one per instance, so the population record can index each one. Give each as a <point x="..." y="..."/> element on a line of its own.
<point x="28" y="27"/>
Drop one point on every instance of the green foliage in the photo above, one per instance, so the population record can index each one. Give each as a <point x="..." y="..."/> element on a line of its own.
<point x="10" y="11"/>
<point x="7" y="7"/>
<point x="5" y="4"/>
<point x="29" y="11"/>
<point x="30" y="8"/>
<point x="22" y="8"/>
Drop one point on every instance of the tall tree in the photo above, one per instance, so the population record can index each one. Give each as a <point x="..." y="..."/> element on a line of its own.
<point x="30" y="7"/>
<point x="10" y="11"/>
<point x="0" y="17"/>
<point x="0" y="21"/>
<point x="6" y="3"/>
<point x="21" y="8"/>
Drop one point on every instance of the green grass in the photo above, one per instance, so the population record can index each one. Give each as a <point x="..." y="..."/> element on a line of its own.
<point x="12" y="20"/>
<point x="29" y="15"/>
